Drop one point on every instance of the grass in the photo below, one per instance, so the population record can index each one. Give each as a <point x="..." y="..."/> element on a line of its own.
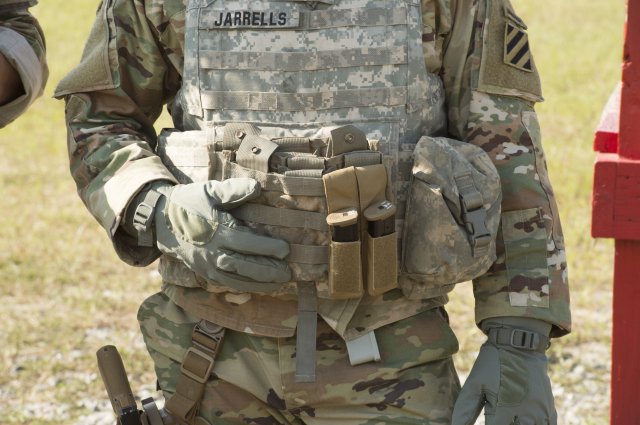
<point x="64" y="293"/>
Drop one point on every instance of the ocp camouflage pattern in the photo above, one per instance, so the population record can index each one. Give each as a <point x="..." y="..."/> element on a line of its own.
<point x="414" y="384"/>
<point x="112" y="154"/>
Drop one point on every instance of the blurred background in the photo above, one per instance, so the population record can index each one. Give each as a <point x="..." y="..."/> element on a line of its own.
<point x="64" y="293"/>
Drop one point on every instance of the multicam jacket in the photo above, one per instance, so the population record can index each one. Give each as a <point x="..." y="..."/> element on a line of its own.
<point x="133" y="64"/>
<point x="22" y="43"/>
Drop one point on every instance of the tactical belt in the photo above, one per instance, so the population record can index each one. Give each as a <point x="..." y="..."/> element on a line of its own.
<point x="195" y="371"/>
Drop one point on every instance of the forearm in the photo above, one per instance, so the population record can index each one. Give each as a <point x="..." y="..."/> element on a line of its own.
<point x="491" y="104"/>
<point x="529" y="278"/>
<point x="113" y="97"/>
<point x="111" y="158"/>
<point x="10" y="85"/>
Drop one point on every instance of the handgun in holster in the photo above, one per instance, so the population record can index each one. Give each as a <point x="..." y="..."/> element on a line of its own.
<point x="114" y="377"/>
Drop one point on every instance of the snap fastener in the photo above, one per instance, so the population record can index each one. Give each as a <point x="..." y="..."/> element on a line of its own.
<point x="255" y="150"/>
<point x="348" y="138"/>
<point x="240" y="134"/>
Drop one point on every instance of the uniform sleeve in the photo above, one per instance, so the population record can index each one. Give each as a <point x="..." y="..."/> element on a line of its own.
<point x="492" y="85"/>
<point x="22" y="43"/>
<point x="126" y="74"/>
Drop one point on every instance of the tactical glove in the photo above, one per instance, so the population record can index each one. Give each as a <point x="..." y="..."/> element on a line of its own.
<point x="193" y="225"/>
<point x="509" y="378"/>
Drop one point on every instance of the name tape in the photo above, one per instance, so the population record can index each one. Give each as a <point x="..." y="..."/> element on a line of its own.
<point x="250" y="19"/>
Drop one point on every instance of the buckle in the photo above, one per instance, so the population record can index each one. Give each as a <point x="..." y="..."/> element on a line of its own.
<point x="142" y="216"/>
<point x="200" y="356"/>
<point x="524" y="339"/>
<point x="474" y="221"/>
<point x="207" y="335"/>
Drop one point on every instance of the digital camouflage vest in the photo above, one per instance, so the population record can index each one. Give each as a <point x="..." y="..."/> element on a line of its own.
<point x="268" y="88"/>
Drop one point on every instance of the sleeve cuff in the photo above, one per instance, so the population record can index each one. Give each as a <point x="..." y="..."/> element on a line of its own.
<point x="109" y="202"/>
<point x="492" y="303"/>
<point x="32" y="72"/>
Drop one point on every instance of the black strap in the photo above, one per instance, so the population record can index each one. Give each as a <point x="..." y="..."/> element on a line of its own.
<point x="143" y="218"/>
<point x="519" y="338"/>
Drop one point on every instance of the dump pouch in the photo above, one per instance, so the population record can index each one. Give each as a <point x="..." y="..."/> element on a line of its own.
<point x="452" y="218"/>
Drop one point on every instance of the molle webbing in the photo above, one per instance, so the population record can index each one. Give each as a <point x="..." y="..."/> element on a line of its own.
<point x="312" y="101"/>
<point x="304" y="173"/>
<point x="302" y="61"/>
<point x="264" y="214"/>
<point x="305" y="162"/>
<point x="303" y="179"/>
<point x="281" y="217"/>
<point x="294" y="186"/>
<point x="313" y="3"/>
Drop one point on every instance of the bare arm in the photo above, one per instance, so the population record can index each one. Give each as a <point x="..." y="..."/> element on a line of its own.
<point x="10" y="85"/>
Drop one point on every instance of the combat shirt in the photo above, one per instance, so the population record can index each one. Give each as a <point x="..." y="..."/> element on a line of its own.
<point x="132" y="66"/>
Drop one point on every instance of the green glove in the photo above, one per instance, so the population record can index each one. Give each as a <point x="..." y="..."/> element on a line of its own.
<point x="509" y="378"/>
<point x="191" y="224"/>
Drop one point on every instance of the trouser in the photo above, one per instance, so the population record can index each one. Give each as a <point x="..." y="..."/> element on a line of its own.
<point x="253" y="376"/>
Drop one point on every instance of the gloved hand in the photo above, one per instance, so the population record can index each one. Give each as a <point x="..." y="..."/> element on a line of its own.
<point x="191" y="224"/>
<point x="509" y="380"/>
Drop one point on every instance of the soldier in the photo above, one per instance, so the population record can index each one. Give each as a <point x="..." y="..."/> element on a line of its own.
<point x="23" y="67"/>
<point x="311" y="139"/>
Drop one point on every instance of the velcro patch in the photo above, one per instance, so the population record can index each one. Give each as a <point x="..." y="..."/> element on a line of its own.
<point x="516" y="48"/>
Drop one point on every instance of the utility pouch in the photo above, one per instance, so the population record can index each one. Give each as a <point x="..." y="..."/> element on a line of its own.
<point x="382" y="263"/>
<point x="452" y="217"/>
<point x="380" y="253"/>
<point x="345" y="263"/>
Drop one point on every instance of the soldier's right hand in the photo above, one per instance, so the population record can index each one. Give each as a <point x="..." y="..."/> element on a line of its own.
<point x="193" y="225"/>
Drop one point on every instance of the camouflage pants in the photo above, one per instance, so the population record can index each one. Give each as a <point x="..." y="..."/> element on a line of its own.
<point x="253" y="380"/>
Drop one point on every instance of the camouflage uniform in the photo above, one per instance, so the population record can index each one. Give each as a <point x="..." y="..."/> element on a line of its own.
<point x="22" y="43"/>
<point x="133" y="64"/>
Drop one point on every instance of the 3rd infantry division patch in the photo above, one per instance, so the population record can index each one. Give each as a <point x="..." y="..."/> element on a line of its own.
<point x="516" y="48"/>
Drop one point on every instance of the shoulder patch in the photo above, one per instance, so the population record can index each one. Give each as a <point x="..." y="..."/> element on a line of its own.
<point x="516" y="48"/>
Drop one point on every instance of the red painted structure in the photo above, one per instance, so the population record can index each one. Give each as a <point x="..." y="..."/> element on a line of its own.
<point x="616" y="214"/>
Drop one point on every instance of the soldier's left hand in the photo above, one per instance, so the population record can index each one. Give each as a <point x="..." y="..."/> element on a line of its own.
<point x="509" y="378"/>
